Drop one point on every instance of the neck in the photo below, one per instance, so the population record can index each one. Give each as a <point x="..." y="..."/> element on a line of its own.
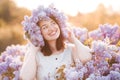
<point x="52" y="45"/>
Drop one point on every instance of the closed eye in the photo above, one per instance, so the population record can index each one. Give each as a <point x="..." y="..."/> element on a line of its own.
<point x="44" y="26"/>
<point x="53" y="22"/>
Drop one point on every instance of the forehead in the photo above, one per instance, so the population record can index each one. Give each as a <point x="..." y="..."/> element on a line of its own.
<point x="45" y="21"/>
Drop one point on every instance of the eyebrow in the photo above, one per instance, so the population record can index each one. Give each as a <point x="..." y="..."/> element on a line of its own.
<point x="52" y="21"/>
<point x="43" y="25"/>
<point x="46" y="24"/>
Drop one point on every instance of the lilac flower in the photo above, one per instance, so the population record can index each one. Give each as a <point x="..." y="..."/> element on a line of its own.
<point x="98" y="77"/>
<point x="113" y="48"/>
<point x="78" y="64"/>
<point x="3" y="56"/>
<point x="99" y="47"/>
<point x="117" y="58"/>
<point x="16" y="73"/>
<point x="105" y="62"/>
<point x="90" y="66"/>
<point x="71" y="73"/>
<point x="106" y="55"/>
<point x="115" y="37"/>
<point x="91" y="77"/>
<point x="96" y="34"/>
<point x="30" y="23"/>
<point x="108" y="30"/>
<point x="11" y="61"/>
<point x="6" y="78"/>
<point x="115" y="67"/>
<point x="8" y="59"/>
<point x="114" y="75"/>
<point x="81" y="33"/>
<point x="3" y="67"/>
<point x="82" y="72"/>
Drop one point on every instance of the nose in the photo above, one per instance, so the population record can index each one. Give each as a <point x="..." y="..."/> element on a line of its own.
<point x="51" y="27"/>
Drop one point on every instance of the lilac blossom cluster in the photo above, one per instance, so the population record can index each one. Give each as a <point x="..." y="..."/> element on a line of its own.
<point x="81" y="33"/>
<point x="106" y="31"/>
<point x="32" y="30"/>
<point x="104" y="65"/>
<point x="11" y="61"/>
<point x="105" y="50"/>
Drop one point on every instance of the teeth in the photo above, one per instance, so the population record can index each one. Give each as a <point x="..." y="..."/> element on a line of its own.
<point x="53" y="33"/>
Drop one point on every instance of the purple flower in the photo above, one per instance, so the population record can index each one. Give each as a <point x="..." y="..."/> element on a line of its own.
<point x="6" y="78"/>
<point x="81" y="33"/>
<point x="96" y="34"/>
<point x="99" y="47"/>
<point x="114" y="75"/>
<point x="117" y="58"/>
<point x="3" y="67"/>
<point x="115" y="66"/>
<point x="11" y="60"/>
<point x="71" y="74"/>
<point x="16" y="73"/>
<point x="108" y="30"/>
<point x="31" y="27"/>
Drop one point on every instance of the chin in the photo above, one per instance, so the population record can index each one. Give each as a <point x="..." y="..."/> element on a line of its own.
<point x="54" y="38"/>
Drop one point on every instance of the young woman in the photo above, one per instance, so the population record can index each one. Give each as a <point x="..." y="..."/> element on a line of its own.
<point x="48" y="49"/>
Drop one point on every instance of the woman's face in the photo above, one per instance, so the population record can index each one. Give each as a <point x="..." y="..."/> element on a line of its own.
<point x="50" y="29"/>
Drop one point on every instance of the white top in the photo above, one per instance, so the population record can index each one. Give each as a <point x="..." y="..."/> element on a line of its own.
<point x="48" y="65"/>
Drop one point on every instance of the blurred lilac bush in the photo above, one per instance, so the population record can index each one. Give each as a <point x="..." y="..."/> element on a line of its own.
<point x="11" y="61"/>
<point x="105" y="64"/>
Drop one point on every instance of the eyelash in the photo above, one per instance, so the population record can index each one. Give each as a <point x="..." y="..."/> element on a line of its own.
<point x="53" y="23"/>
<point x="44" y="27"/>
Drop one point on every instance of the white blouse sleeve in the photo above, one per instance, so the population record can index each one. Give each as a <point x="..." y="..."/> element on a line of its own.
<point x="80" y="51"/>
<point x="29" y="67"/>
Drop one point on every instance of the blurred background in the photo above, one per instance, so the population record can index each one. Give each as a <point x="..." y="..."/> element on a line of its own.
<point x="81" y="13"/>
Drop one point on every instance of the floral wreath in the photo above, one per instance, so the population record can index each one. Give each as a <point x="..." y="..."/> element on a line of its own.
<point x="32" y="30"/>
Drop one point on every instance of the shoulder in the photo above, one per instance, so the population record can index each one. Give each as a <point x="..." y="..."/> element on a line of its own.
<point x="30" y="47"/>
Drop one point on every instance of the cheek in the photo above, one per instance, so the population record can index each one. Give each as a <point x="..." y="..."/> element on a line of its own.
<point x="58" y="29"/>
<point x="44" y="34"/>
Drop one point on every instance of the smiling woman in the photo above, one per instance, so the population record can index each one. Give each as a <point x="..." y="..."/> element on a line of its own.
<point x="48" y="49"/>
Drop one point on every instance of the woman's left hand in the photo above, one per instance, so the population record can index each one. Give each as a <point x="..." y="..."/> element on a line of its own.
<point x="71" y="36"/>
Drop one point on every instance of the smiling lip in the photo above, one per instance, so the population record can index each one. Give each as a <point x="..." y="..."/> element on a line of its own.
<point x="53" y="33"/>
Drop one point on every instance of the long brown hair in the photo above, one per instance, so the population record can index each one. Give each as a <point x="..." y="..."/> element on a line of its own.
<point x="59" y="43"/>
